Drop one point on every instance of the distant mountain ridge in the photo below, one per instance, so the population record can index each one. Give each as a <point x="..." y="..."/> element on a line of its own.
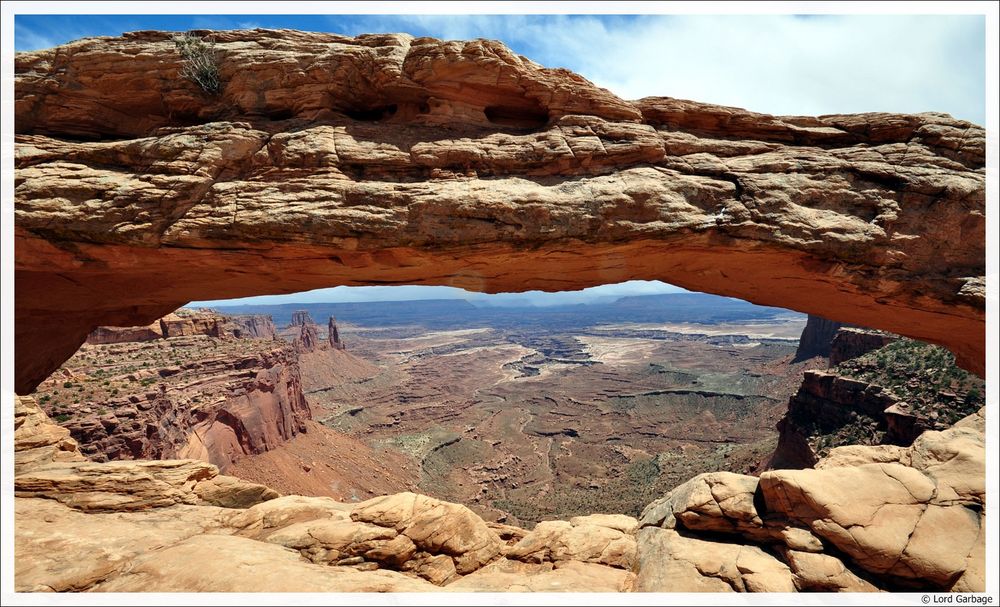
<point x="461" y="313"/>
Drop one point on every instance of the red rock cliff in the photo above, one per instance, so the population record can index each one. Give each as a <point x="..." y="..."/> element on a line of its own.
<point x="219" y="401"/>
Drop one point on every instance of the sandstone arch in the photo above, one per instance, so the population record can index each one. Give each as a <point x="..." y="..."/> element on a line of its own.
<point x="137" y="192"/>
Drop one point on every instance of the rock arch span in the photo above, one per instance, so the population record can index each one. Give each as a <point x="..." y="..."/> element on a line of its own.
<point x="137" y="192"/>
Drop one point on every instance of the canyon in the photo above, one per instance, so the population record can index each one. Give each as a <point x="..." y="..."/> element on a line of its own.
<point x="609" y="456"/>
<point x="541" y="413"/>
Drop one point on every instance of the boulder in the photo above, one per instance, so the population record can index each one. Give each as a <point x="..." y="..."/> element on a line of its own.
<point x="886" y="517"/>
<point x="581" y="539"/>
<point x="435" y="527"/>
<point x="223" y="563"/>
<point x="823" y="573"/>
<point x="37" y="440"/>
<point x="136" y="485"/>
<point x="670" y="562"/>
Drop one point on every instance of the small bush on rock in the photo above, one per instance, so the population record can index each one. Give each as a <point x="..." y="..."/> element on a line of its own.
<point x="201" y="62"/>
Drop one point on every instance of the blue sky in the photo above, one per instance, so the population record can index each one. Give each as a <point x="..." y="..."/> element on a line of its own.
<point x="778" y="64"/>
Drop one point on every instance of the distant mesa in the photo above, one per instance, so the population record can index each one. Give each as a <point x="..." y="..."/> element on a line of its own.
<point x="301" y="318"/>
<point x="185" y="322"/>
<point x="253" y="326"/>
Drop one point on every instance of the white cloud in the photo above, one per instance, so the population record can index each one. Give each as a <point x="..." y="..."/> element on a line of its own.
<point x="778" y="64"/>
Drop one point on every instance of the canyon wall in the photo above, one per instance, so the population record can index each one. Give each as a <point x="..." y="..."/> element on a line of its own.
<point x="118" y="335"/>
<point x="195" y="392"/>
<point x="251" y="326"/>
<point x="852" y="342"/>
<point x="189" y="322"/>
<point x="817" y="337"/>
<point x="325" y="160"/>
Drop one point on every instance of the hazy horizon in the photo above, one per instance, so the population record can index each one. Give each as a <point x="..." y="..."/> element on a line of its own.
<point x="344" y="294"/>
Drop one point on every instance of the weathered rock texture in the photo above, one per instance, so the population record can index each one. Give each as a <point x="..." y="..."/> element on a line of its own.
<point x="38" y="441"/>
<point x="193" y="396"/>
<point x="50" y="466"/>
<point x="118" y="335"/>
<point x="869" y="518"/>
<point x="824" y="403"/>
<point x="251" y="326"/>
<point x="186" y="322"/>
<point x="333" y="335"/>
<point x="178" y="526"/>
<point x="301" y="318"/>
<point x="192" y="323"/>
<point x="308" y="339"/>
<point x="388" y="159"/>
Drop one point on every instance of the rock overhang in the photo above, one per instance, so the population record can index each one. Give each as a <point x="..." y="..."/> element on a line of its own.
<point x="388" y="159"/>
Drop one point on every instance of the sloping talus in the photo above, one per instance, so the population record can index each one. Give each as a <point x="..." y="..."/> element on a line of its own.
<point x="388" y="159"/>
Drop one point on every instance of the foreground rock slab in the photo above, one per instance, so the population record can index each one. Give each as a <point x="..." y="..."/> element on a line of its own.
<point x="868" y="518"/>
<point x="861" y="523"/>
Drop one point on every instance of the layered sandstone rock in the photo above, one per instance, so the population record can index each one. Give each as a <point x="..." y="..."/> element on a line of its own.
<point x="435" y="527"/>
<point x="301" y="318"/>
<point x="198" y="397"/>
<point x="817" y="337"/>
<point x="308" y="339"/>
<point x="603" y="539"/>
<point x="118" y="335"/>
<point x="175" y="325"/>
<point x="251" y="326"/>
<point x="50" y="466"/>
<point x="184" y="323"/>
<point x="825" y="403"/>
<point x="886" y="390"/>
<point x="178" y="526"/>
<point x="37" y="441"/>
<point x="389" y="159"/>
